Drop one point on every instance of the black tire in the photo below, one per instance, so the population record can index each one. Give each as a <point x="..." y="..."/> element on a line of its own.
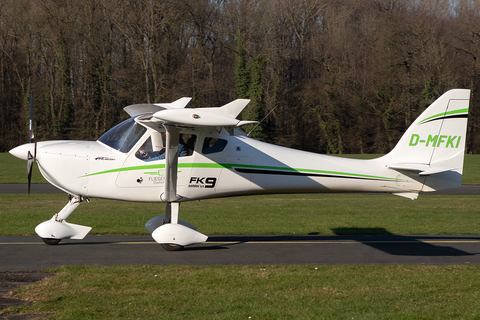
<point x="172" y="247"/>
<point x="51" y="242"/>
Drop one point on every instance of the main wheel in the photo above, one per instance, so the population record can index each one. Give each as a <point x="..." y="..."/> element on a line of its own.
<point x="51" y="242"/>
<point x="172" y="247"/>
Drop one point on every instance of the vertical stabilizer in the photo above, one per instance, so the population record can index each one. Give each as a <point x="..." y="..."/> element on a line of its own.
<point x="434" y="145"/>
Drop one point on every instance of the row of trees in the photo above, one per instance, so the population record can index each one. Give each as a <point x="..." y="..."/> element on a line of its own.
<point x="334" y="76"/>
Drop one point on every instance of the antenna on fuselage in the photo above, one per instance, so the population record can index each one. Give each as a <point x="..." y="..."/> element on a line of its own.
<point x="31" y="138"/>
<point x="248" y="134"/>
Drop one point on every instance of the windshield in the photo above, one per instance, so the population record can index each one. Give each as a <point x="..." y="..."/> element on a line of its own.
<point x="123" y="136"/>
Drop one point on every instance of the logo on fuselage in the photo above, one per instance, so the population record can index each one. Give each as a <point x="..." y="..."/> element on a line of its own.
<point x="202" y="182"/>
<point x="104" y="158"/>
<point x="436" y="141"/>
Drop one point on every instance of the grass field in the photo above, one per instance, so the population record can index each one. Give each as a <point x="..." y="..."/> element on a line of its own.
<point x="279" y="214"/>
<point x="14" y="170"/>
<point x="255" y="292"/>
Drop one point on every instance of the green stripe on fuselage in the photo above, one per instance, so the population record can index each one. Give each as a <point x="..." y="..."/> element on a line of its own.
<point x="231" y="165"/>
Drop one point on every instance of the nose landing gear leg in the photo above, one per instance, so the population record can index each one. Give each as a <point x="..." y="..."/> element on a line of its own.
<point x="54" y="230"/>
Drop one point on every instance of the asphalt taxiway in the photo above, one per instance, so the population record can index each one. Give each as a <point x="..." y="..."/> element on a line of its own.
<point x="30" y="253"/>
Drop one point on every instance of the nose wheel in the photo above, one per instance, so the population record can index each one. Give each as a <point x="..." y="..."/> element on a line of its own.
<point x="51" y="242"/>
<point x="172" y="247"/>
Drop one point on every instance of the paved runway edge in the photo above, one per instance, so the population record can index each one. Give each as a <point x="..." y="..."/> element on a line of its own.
<point x="22" y="188"/>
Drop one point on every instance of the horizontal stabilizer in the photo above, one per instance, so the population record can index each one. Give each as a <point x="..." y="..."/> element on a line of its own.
<point x="435" y="171"/>
<point x="409" y="195"/>
<point x="422" y="169"/>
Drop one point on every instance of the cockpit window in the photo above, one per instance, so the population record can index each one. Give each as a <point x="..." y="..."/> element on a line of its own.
<point x="213" y="145"/>
<point x="123" y="136"/>
<point x="155" y="151"/>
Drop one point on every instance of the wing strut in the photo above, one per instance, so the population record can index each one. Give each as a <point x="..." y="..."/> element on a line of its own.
<point x="171" y="164"/>
<point x="168" y="230"/>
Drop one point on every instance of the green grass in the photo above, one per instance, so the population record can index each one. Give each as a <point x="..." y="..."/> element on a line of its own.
<point x="14" y="170"/>
<point x="274" y="214"/>
<point x="263" y="292"/>
<point x="471" y="169"/>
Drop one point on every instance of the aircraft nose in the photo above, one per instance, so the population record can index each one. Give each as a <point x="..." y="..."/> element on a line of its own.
<point x="21" y="152"/>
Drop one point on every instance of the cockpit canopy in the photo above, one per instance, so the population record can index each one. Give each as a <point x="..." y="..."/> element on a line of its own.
<point x="124" y="135"/>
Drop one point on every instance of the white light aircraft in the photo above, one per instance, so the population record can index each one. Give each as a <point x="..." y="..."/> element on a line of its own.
<point x="168" y="153"/>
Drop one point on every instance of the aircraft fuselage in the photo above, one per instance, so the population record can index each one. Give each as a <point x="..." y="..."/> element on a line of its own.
<point x="244" y="167"/>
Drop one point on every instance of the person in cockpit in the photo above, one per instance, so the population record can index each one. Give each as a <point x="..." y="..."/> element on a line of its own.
<point x="182" y="152"/>
<point x="146" y="152"/>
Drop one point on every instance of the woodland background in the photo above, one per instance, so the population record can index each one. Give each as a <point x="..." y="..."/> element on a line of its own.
<point x="343" y="76"/>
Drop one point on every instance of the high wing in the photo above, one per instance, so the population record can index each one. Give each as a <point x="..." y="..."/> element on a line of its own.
<point x="175" y="114"/>
<point x="141" y="109"/>
<point x="205" y="117"/>
<point x="168" y="229"/>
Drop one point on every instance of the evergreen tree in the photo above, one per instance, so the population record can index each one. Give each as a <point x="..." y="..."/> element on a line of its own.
<point x="256" y="108"/>
<point x="242" y="79"/>
<point x="429" y="94"/>
<point x="249" y="85"/>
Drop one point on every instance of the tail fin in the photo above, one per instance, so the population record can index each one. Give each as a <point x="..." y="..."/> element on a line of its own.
<point x="433" y="146"/>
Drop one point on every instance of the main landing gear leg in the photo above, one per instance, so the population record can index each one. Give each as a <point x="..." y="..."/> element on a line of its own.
<point x="57" y="228"/>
